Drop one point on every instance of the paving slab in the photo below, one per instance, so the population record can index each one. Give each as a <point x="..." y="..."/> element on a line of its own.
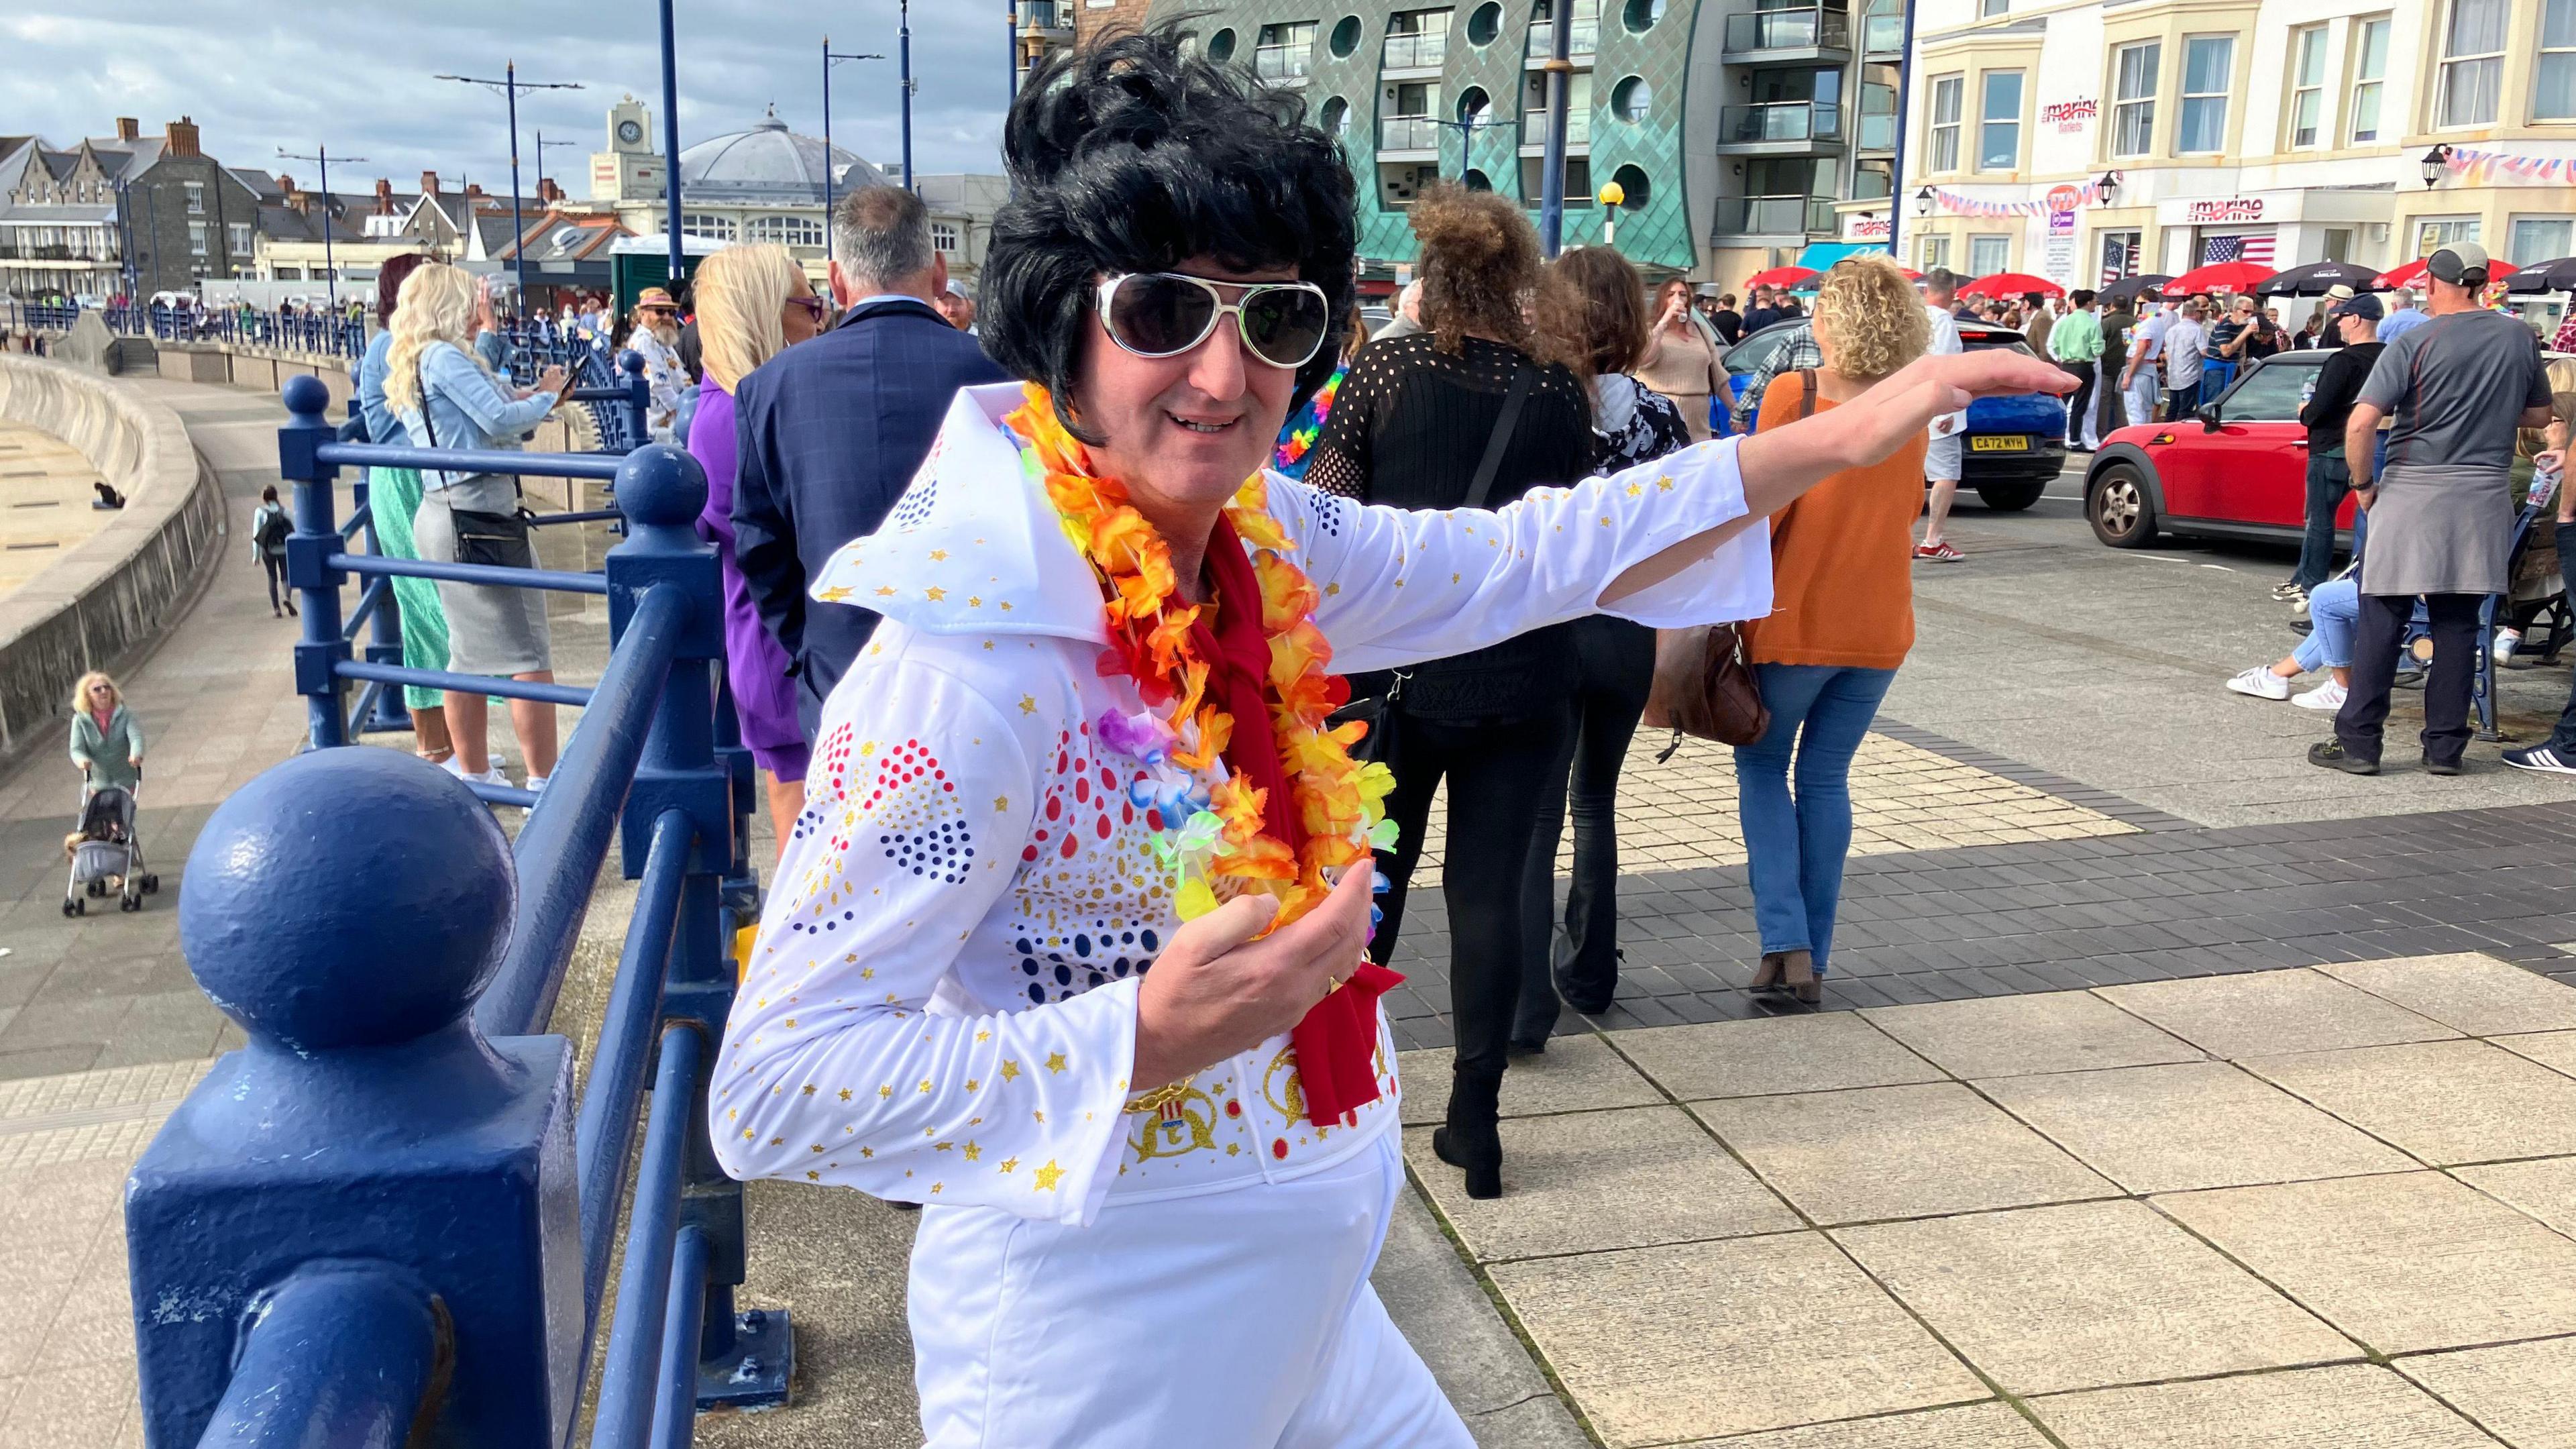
<point x="1445" y="1314"/>
<point x="1814" y="1052"/>
<point x="1574" y="1074"/>
<point x="2057" y="1031"/>
<point x="2443" y="1101"/>
<point x="2190" y="1125"/>
<point x="1675" y="1343"/>
<point x="2555" y="1050"/>
<point x="2404" y="1262"/>
<point x="2088" y="1295"/>
<point x="2524" y="1393"/>
<point x="2467" y="991"/>
<point x="1595" y="1180"/>
<point x="2546" y="1189"/>
<point x="2357" y="1406"/>
<point x="2272" y="1011"/>
<point x="1971" y="1426"/>
<point x="1897" y="1152"/>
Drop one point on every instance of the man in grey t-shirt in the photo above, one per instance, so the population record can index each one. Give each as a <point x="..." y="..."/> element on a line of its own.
<point x="2441" y="514"/>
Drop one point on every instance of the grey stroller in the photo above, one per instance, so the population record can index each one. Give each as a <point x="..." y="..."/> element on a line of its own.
<point x="107" y="848"/>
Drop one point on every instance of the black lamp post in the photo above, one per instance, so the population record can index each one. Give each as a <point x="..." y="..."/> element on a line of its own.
<point x="2435" y="162"/>
<point x="2108" y="187"/>
<point x="1923" y="202"/>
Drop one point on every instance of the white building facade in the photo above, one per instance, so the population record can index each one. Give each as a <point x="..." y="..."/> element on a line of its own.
<point x="2084" y="140"/>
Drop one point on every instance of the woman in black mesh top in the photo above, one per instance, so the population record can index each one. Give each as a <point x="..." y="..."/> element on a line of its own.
<point x="1413" y="426"/>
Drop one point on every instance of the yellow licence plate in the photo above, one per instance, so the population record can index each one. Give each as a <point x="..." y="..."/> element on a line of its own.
<point x="1999" y="443"/>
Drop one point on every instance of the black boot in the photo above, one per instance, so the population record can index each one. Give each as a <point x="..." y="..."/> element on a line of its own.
<point x="1471" y="1142"/>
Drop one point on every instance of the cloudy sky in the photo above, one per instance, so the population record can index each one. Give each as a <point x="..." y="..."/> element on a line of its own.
<point x="258" y="75"/>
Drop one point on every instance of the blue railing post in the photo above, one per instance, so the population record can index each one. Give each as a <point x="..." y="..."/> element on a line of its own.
<point x="308" y="559"/>
<point x="639" y="396"/>
<point x="744" y="1357"/>
<point x="384" y="621"/>
<point x="346" y="908"/>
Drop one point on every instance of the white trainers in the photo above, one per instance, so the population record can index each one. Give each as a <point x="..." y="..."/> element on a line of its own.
<point x="2506" y="642"/>
<point x="537" y="784"/>
<point x="453" y="766"/>
<point x="2261" y="683"/>
<point x="2326" y="696"/>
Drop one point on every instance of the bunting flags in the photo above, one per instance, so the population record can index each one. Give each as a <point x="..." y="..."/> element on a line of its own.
<point x="2489" y="167"/>
<point x="1964" y="205"/>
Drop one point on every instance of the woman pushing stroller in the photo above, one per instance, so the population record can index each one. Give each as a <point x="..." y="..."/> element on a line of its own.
<point x="107" y="740"/>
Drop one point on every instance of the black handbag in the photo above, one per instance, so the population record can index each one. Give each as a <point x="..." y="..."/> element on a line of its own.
<point x="496" y="540"/>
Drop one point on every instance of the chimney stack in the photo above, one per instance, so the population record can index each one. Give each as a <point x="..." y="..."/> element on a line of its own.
<point x="429" y="183"/>
<point x="299" y="202"/>
<point x="384" y="197"/>
<point x="181" y="137"/>
<point x="285" y="183"/>
<point x="547" y="191"/>
<point x="474" y="191"/>
<point x="128" y="129"/>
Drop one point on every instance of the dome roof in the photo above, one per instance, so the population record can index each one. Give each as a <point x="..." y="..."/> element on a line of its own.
<point x="768" y="163"/>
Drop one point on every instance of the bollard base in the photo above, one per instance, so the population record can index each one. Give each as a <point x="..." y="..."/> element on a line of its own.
<point x="753" y="1374"/>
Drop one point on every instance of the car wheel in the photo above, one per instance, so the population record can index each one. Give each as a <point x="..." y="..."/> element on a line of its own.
<point x="2010" y="497"/>
<point x="2118" y="506"/>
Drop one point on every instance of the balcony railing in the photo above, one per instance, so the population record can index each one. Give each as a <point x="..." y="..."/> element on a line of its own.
<point x="1408" y="133"/>
<point x="1044" y="17"/>
<point x="1775" y="215"/>
<point x="1878" y="133"/>
<point x="1578" y="127"/>
<point x="1780" y="121"/>
<point x="1817" y="29"/>
<point x="1585" y="39"/>
<point x="1415" y="49"/>
<point x="1282" y="62"/>
<point x="1883" y="34"/>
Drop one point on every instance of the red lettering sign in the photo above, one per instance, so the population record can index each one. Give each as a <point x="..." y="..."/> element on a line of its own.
<point x="2235" y="208"/>
<point x="2069" y="117"/>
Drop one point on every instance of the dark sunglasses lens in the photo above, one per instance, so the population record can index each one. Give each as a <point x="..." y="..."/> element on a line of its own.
<point x="1159" y="315"/>
<point x="1286" y="326"/>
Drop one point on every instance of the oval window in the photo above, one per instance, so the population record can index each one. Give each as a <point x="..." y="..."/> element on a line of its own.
<point x="1632" y="180"/>
<point x="1221" y="46"/>
<point x="1335" y="118"/>
<point x="1473" y="103"/>
<point x="1346" y="36"/>
<point x="1485" y="24"/>
<point x="1476" y="180"/>
<point x="1632" y="98"/>
<point x="1641" y="15"/>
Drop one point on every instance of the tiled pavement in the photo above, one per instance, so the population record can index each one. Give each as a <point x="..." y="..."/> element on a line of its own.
<point x="2330" y="1207"/>
<point x="45" y="502"/>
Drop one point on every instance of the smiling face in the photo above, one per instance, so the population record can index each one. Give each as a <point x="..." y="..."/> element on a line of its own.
<point x="1183" y="432"/>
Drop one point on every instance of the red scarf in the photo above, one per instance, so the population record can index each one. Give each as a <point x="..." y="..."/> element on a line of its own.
<point x="1337" y="1039"/>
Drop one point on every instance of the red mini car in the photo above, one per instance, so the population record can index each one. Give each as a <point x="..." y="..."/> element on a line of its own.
<point x="2238" y="470"/>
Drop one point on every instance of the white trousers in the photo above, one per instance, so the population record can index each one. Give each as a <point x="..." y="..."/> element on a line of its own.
<point x="2144" y="398"/>
<point x="1233" y="1320"/>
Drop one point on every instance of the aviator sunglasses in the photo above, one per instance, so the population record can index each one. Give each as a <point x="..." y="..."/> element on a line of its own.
<point x="1164" y="314"/>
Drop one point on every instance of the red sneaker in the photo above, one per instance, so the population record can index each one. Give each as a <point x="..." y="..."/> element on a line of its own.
<point x="1938" y="552"/>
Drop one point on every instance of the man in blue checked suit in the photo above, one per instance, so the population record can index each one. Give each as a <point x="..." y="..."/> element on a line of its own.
<point x="831" y="430"/>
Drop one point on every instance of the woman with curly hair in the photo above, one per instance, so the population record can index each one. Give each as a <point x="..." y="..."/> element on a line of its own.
<point x="1066" y="944"/>
<point x="1841" y="621"/>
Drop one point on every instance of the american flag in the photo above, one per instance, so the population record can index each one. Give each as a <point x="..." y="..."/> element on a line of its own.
<point x="2255" y="247"/>
<point x="2119" y="259"/>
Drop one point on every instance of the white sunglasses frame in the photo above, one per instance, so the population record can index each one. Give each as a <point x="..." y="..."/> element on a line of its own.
<point x="1108" y="289"/>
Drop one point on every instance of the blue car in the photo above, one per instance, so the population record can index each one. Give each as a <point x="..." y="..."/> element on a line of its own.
<point x="2012" y="448"/>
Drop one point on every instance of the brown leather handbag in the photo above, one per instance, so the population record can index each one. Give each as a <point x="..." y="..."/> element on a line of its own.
<point x="1704" y="685"/>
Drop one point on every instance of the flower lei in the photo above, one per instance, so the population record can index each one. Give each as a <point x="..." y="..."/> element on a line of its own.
<point x="1302" y="436"/>
<point x="1221" y="849"/>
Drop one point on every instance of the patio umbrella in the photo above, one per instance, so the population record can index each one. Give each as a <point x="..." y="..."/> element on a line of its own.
<point x="2011" y="284"/>
<point x="2221" y="277"/>
<point x="2552" y="276"/>
<point x="2315" y="278"/>
<point x="1783" y="277"/>
<point x="2127" y="288"/>
<point x="2412" y="274"/>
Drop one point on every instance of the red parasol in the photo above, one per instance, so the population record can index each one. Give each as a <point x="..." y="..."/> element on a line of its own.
<point x="2011" y="284"/>
<point x="1783" y="277"/>
<point x="2220" y="277"/>
<point x="2412" y="274"/>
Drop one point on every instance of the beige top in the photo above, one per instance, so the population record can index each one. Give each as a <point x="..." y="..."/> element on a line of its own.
<point x="1686" y="366"/>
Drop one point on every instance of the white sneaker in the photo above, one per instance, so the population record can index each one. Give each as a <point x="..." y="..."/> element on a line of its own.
<point x="2261" y="683"/>
<point x="493" y="775"/>
<point x="537" y="784"/>
<point x="2506" y="641"/>
<point x="453" y="766"/>
<point x="2326" y="696"/>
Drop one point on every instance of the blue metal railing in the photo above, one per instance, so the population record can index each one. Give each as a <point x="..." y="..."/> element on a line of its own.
<point x="389" y="1219"/>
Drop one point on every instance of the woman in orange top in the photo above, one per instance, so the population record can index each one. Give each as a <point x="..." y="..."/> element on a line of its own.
<point x="1842" y="619"/>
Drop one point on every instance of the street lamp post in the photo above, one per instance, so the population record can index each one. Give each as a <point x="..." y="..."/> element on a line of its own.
<point x="830" y="59"/>
<point x="903" y="43"/>
<point x="509" y="86"/>
<point x="671" y="145"/>
<point x="1560" y="84"/>
<point x="1896" y="173"/>
<point x="330" y="270"/>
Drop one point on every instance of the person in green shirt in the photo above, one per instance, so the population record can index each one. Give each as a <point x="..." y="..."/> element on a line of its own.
<point x="2076" y="345"/>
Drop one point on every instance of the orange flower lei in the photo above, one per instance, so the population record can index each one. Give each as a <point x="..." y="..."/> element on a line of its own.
<point x="1222" y="851"/>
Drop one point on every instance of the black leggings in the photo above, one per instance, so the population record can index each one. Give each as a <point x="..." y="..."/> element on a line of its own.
<point x="1616" y="668"/>
<point x="274" y="565"/>
<point x="1498" y="781"/>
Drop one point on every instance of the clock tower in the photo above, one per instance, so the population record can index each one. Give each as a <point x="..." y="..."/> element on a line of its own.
<point x="630" y="169"/>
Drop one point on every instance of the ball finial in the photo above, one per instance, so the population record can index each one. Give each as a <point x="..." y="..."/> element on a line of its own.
<point x="306" y="394"/>
<point x="631" y="362"/>
<point x="661" y="486"/>
<point x="346" y="898"/>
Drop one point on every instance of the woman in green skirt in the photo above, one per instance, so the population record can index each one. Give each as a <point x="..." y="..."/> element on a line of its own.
<point x="394" y="495"/>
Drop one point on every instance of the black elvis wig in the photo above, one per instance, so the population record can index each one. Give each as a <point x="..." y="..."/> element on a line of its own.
<point x="1131" y="155"/>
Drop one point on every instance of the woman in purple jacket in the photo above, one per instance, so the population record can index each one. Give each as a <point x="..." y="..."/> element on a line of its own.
<point x="752" y="302"/>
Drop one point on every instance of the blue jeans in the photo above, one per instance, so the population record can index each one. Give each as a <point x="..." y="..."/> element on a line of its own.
<point x="2333" y="608"/>
<point x="1797" y="846"/>
<point x="2329" y="479"/>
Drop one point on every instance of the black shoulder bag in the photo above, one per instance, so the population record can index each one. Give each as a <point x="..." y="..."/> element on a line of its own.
<point x="498" y="540"/>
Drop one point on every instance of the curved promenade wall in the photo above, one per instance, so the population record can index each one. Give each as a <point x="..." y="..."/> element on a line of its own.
<point x="124" y="585"/>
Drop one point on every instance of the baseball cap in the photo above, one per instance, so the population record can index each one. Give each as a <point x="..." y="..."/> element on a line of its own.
<point x="2364" y="306"/>
<point x="2462" y="264"/>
